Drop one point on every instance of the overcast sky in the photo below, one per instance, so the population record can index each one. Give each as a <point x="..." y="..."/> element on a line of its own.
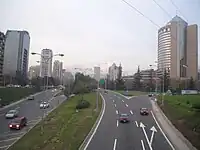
<point x="94" y="32"/>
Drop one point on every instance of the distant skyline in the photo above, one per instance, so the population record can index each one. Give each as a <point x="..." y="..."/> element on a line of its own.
<point x="90" y="33"/>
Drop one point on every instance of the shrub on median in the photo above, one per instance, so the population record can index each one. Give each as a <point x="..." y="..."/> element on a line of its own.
<point x="82" y="104"/>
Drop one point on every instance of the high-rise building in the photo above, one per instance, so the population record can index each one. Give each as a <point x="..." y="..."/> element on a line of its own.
<point x="16" y="53"/>
<point x="178" y="49"/>
<point x="46" y="63"/>
<point x="34" y="71"/>
<point x="58" y="69"/>
<point x="97" y="72"/>
<point x="2" y="46"/>
<point x="113" y="72"/>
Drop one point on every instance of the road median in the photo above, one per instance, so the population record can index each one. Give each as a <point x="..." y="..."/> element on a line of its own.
<point x="64" y="128"/>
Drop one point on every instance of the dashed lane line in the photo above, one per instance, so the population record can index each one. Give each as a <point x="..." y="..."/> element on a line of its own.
<point x="136" y="123"/>
<point x="123" y="101"/>
<point x="117" y="112"/>
<point x="115" y="105"/>
<point x="131" y="112"/>
<point x="115" y="144"/>
<point x="126" y="105"/>
<point x="117" y="123"/>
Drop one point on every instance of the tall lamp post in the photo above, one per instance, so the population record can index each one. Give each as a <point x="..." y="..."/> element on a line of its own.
<point x="46" y="62"/>
<point x="185" y="66"/>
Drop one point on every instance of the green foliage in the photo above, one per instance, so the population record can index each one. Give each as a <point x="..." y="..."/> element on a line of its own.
<point x="83" y="84"/>
<point x="191" y="84"/>
<point x="82" y="104"/>
<point x="137" y="80"/>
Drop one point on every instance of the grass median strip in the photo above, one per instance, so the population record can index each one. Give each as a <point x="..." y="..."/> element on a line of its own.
<point x="64" y="128"/>
<point x="184" y="111"/>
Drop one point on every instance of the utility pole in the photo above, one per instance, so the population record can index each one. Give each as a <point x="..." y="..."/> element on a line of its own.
<point x="163" y="88"/>
<point x="97" y="99"/>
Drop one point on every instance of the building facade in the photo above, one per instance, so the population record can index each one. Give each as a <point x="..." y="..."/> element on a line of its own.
<point x="2" y="47"/>
<point x="16" y="53"/>
<point x="97" y="73"/>
<point x="178" y="49"/>
<point x="113" y="72"/>
<point x="58" y="70"/>
<point x="46" y="63"/>
<point x="34" y="71"/>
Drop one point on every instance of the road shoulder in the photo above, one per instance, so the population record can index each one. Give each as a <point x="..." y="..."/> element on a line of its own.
<point x="90" y="135"/>
<point x="178" y="140"/>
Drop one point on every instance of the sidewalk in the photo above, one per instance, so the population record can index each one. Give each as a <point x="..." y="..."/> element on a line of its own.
<point x="176" y="137"/>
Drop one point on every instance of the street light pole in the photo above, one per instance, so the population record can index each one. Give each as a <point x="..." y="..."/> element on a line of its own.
<point x="185" y="66"/>
<point x="46" y="63"/>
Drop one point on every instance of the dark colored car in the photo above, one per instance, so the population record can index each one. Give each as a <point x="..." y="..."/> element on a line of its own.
<point x="150" y="95"/>
<point x="144" y="111"/>
<point x="124" y="118"/>
<point x="31" y="97"/>
<point x="18" y="123"/>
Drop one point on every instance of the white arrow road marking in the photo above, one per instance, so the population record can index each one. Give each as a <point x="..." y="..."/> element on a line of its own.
<point x="115" y="143"/>
<point x="143" y="148"/>
<point x="145" y="134"/>
<point x="136" y="123"/>
<point x="153" y="129"/>
<point x="117" y="123"/>
<point x="126" y="105"/>
<point x="116" y="111"/>
<point x="131" y="112"/>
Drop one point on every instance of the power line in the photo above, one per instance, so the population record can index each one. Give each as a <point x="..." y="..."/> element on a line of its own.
<point x="162" y="9"/>
<point x="141" y="13"/>
<point x="177" y="9"/>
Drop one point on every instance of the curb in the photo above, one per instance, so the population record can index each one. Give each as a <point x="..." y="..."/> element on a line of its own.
<point x="178" y="133"/>
<point x="17" y="102"/>
<point x="33" y="126"/>
<point x="82" y="146"/>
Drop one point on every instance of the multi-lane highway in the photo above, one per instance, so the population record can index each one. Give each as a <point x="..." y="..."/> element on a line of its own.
<point x="142" y="133"/>
<point x="29" y="109"/>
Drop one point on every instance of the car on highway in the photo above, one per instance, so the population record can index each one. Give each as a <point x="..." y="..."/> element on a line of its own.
<point x="44" y="105"/>
<point x="144" y="111"/>
<point x="124" y="118"/>
<point x="31" y="97"/>
<point x="11" y="114"/>
<point x="18" y="123"/>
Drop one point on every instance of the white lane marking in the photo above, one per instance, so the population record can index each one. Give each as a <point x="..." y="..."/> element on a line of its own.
<point x="4" y="146"/>
<point x="11" y="139"/>
<point x="142" y="143"/>
<point x="117" y="123"/>
<point x="97" y="124"/>
<point x="131" y="112"/>
<point x="115" y="143"/>
<point x="168" y="141"/>
<point x="126" y="105"/>
<point x="31" y="121"/>
<point x="113" y="101"/>
<point x="122" y="100"/>
<point x="117" y="112"/>
<point x="136" y="123"/>
<point x="12" y="134"/>
<point x="115" y="105"/>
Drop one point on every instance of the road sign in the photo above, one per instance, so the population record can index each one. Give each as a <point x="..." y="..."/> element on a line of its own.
<point x="101" y="81"/>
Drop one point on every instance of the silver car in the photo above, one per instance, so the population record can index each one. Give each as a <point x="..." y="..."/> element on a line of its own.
<point x="44" y="105"/>
<point x="12" y="114"/>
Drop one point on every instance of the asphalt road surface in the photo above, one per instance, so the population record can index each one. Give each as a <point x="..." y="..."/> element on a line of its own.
<point x="29" y="109"/>
<point x="135" y="135"/>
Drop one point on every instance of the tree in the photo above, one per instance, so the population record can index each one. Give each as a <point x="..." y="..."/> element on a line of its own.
<point x="119" y="81"/>
<point x="137" y="79"/>
<point x="191" y="84"/>
<point x="165" y="80"/>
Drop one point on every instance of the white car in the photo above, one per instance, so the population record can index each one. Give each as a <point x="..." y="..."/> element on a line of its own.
<point x="11" y="114"/>
<point x="44" y="105"/>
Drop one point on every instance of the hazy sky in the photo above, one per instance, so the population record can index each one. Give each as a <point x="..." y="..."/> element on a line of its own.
<point x="93" y="32"/>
